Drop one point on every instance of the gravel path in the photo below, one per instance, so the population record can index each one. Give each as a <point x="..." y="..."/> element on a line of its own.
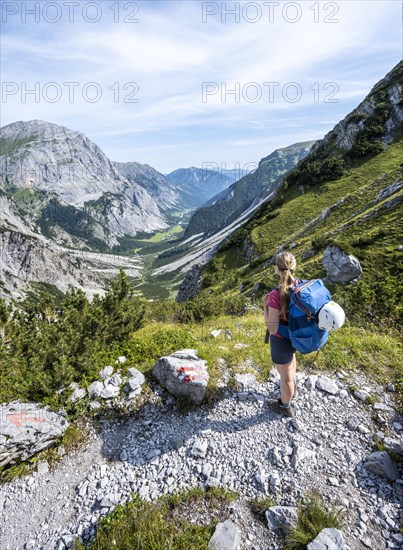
<point x="236" y="442"/>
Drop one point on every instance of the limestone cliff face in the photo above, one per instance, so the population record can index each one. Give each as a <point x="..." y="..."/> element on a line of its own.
<point x="163" y="191"/>
<point x="58" y="189"/>
<point x="52" y="158"/>
<point x="345" y="132"/>
<point x="26" y="259"/>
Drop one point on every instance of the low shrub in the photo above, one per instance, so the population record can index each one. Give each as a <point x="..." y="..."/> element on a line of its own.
<point x="313" y="517"/>
<point x="148" y="344"/>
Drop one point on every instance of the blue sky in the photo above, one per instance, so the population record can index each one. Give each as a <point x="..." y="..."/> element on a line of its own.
<point x="295" y="69"/>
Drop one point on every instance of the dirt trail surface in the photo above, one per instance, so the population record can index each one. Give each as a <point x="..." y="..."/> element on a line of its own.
<point x="237" y="442"/>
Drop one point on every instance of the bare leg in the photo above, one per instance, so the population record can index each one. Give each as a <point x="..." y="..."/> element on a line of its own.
<point x="287" y="373"/>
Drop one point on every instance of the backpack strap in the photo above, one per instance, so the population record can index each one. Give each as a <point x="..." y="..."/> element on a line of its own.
<point x="299" y="304"/>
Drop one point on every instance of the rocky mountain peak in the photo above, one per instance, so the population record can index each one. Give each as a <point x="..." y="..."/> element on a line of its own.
<point x="381" y="107"/>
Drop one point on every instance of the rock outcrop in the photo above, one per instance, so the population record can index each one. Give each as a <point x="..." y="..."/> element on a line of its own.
<point x="340" y="267"/>
<point x="345" y="132"/>
<point x="183" y="374"/>
<point x="190" y="285"/>
<point x="26" y="429"/>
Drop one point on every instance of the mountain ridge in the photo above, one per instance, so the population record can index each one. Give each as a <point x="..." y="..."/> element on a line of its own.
<point x="345" y="192"/>
<point x="198" y="185"/>
<point x="229" y="204"/>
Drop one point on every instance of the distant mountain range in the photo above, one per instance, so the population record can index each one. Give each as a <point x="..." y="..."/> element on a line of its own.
<point x="78" y="190"/>
<point x="66" y="209"/>
<point x="198" y="185"/>
<point x="224" y="213"/>
<point x="58" y="187"/>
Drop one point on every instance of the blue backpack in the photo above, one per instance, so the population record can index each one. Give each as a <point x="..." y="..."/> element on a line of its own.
<point x="306" y="300"/>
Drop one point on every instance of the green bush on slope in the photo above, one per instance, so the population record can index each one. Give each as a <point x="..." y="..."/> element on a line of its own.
<point x="45" y="345"/>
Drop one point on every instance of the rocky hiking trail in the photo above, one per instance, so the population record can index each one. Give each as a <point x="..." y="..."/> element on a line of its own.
<point x="235" y="442"/>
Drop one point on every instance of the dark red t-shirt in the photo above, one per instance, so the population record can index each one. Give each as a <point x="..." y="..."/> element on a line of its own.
<point x="273" y="300"/>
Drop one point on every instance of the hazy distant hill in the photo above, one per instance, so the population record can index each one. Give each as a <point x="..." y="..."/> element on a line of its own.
<point x="198" y="185"/>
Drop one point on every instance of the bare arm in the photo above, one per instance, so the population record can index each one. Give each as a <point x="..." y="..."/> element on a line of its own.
<point x="272" y="319"/>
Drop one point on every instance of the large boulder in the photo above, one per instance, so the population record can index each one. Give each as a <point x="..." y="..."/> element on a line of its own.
<point x="27" y="428"/>
<point x="381" y="464"/>
<point x="281" y="518"/>
<point x="183" y="374"/>
<point x="227" y="536"/>
<point x="340" y="267"/>
<point x="329" y="539"/>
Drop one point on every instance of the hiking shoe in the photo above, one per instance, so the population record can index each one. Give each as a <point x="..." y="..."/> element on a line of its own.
<point x="274" y="404"/>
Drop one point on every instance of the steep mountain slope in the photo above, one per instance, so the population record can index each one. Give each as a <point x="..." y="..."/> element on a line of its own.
<point x="228" y="205"/>
<point x="86" y="186"/>
<point x="198" y="185"/>
<point x="220" y="220"/>
<point x="160" y="188"/>
<point x="26" y="257"/>
<point x="30" y="262"/>
<point x="348" y="191"/>
<point x="63" y="202"/>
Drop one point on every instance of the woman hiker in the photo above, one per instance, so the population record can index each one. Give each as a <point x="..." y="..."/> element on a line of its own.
<point x="282" y="352"/>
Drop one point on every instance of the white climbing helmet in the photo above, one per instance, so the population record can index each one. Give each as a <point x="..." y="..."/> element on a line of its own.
<point x="331" y="317"/>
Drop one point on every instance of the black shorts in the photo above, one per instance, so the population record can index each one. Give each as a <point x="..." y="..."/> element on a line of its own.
<point x="281" y="350"/>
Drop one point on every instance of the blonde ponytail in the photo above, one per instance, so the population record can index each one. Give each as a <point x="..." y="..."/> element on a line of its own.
<point x="286" y="264"/>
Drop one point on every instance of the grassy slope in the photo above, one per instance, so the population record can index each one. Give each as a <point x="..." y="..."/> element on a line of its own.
<point x="353" y="348"/>
<point x="370" y="231"/>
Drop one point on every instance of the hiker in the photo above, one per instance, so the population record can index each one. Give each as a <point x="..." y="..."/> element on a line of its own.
<point x="282" y="352"/>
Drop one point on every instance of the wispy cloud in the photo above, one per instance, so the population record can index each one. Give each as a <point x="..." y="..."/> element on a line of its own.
<point x="171" y="52"/>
